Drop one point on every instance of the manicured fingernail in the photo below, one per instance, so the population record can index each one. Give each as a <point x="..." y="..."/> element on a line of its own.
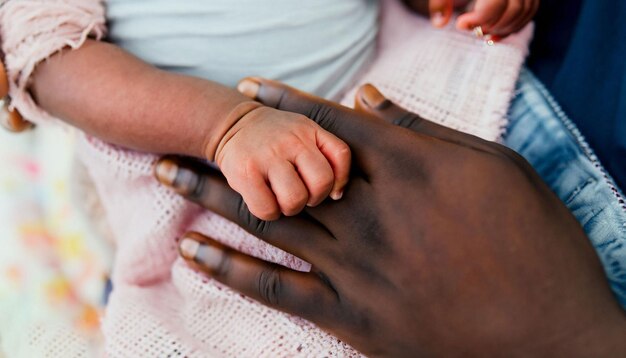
<point x="336" y="195"/>
<point x="437" y="19"/>
<point x="249" y="87"/>
<point x="372" y="97"/>
<point x="166" y="171"/>
<point x="188" y="248"/>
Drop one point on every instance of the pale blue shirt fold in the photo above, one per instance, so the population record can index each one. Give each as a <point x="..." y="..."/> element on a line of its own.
<point x="318" y="46"/>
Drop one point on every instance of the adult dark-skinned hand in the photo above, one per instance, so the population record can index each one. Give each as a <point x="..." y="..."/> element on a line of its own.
<point x="443" y="244"/>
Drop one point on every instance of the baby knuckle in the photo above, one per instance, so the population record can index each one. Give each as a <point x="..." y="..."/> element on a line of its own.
<point x="293" y="204"/>
<point x="262" y="214"/>
<point x="301" y="118"/>
<point x="248" y="169"/>
<point x="322" y="185"/>
<point x="292" y="143"/>
<point x="290" y="210"/>
<point x="344" y="152"/>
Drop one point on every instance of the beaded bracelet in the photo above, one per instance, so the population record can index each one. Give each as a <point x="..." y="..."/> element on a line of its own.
<point x="11" y="120"/>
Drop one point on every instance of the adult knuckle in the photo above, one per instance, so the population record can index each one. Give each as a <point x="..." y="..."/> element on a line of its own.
<point x="324" y="115"/>
<point x="253" y="221"/>
<point x="224" y="265"/>
<point x="269" y="286"/>
<point x="408" y="120"/>
<point x="282" y="97"/>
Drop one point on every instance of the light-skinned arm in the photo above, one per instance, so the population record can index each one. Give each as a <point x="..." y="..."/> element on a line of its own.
<point x="278" y="161"/>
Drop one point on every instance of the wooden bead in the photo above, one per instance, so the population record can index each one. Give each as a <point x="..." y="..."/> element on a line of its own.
<point x="13" y="120"/>
<point x="4" y="82"/>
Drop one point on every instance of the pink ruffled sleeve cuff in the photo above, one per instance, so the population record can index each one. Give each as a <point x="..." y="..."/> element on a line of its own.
<point x="33" y="30"/>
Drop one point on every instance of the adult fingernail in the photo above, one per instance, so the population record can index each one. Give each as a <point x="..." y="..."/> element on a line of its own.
<point x="188" y="248"/>
<point x="372" y="97"/>
<point x="166" y="171"/>
<point x="336" y="195"/>
<point x="208" y="256"/>
<point x="437" y="19"/>
<point x="249" y="87"/>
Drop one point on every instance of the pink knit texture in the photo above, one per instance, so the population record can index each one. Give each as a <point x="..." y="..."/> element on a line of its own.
<point x="33" y="30"/>
<point x="159" y="307"/>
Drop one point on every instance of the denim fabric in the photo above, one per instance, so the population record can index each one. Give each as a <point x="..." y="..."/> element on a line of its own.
<point x="541" y="132"/>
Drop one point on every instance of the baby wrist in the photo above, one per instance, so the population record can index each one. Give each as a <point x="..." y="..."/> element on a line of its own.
<point x="215" y="143"/>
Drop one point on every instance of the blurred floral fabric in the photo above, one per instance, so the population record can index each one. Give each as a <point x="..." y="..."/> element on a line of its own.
<point x="53" y="266"/>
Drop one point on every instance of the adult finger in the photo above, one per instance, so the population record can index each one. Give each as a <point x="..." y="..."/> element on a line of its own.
<point x="299" y="293"/>
<point x="364" y="134"/>
<point x="440" y="12"/>
<point x="369" y="99"/>
<point x="199" y="183"/>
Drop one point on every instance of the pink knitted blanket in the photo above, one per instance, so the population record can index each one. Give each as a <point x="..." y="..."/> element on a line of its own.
<point x="159" y="307"/>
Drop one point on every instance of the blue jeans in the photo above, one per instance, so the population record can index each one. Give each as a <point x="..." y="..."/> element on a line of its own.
<point x="541" y="132"/>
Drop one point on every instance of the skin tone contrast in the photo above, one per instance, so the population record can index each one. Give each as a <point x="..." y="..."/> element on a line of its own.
<point x="278" y="161"/>
<point x="443" y="244"/>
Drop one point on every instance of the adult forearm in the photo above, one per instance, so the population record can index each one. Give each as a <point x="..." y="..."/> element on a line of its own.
<point x="115" y="96"/>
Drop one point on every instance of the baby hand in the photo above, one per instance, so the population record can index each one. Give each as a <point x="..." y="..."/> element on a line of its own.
<point x="281" y="161"/>
<point x="498" y="18"/>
